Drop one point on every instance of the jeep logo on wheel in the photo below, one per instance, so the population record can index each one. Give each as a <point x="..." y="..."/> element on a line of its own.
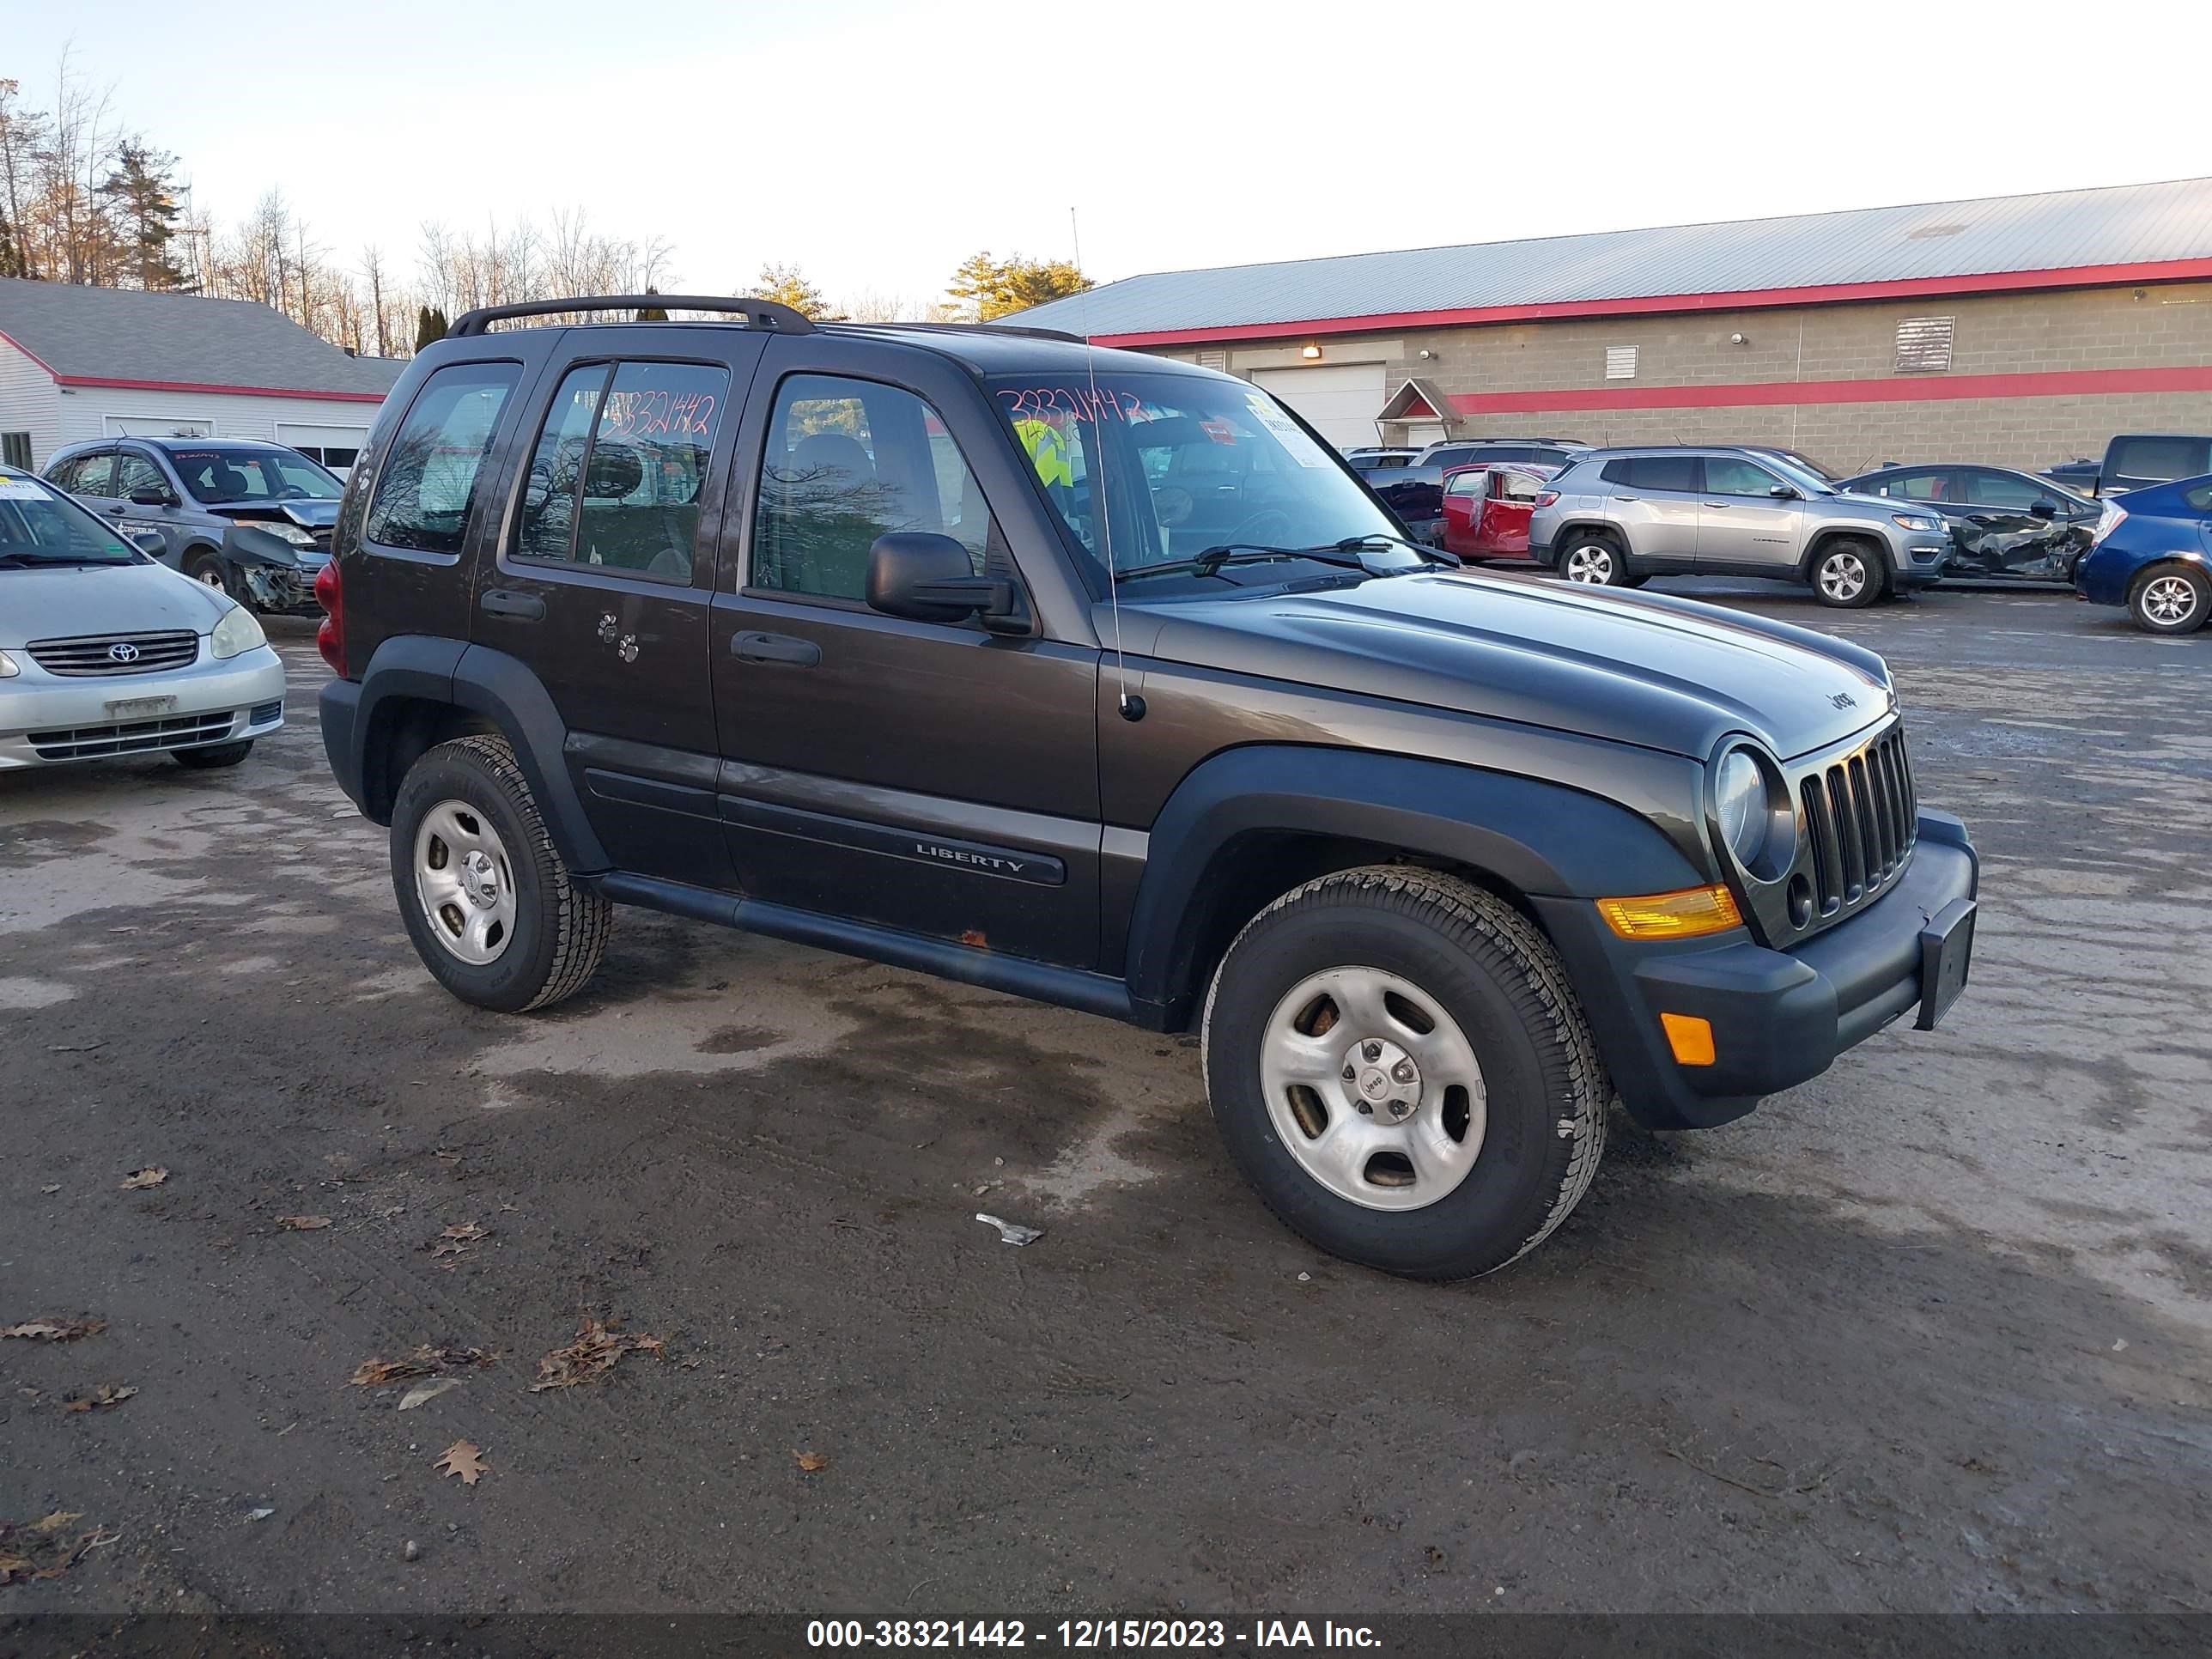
<point x="123" y="651"/>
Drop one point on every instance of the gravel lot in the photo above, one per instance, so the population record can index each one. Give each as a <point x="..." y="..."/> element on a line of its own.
<point x="1933" y="1332"/>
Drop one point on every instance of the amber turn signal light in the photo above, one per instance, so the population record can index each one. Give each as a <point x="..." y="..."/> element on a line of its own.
<point x="1690" y="1038"/>
<point x="1686" y="914"/>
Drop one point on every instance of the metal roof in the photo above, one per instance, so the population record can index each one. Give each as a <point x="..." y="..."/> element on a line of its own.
<point x="2127" y="225"/>
<point x="128" y="335"/>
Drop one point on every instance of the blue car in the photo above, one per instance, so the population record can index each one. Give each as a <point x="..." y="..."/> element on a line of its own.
<point x="2153" y="553"/>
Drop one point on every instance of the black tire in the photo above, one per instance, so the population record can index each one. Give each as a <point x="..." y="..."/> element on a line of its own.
<point x="213" y="754"/>
<point x="1634" y="582"/>
<point x="1488" y="968"/>
<point x="1829" y="573"/>
<point x="2158" y="599"/>
<point x="204" y="567"/>
<point x="560" y="927"/>
<point x="1592" y="558"/>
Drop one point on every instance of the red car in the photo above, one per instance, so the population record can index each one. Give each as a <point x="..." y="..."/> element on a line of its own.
<point x="1486" y="509"/>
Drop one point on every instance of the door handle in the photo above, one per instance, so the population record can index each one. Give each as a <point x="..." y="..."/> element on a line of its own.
<point x="1628" y="498"/>
<point x="505" y="602"/>
<point x="774" y="648"/>
<point x="1718" y="506"/>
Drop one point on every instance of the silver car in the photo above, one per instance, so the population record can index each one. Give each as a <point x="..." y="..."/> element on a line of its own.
<point x="1617" y="516"/>
<point x="104" y="651"/>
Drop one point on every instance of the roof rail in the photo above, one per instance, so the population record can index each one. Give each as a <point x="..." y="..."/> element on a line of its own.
<point x="972" y="328"/>
<point x="757" y="314"/>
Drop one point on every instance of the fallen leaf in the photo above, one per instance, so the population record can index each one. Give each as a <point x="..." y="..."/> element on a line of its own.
<point x="423" y="1392"/>
<point x="466" y="1231"/>
<point x="302" y="1224"/>
<point x="152" y="1175"/>
<point x="105" y="1395"/>
<point x="53" y="1328"/>
<point x="13" y="1567"/>
<point x="596" y="1346"/>
<point x="812" y="1463"/>
<point x="50" y="1191"/>
<point x="425" y="1361"/>
<point x="464" y="1458"/>
<point x="57" y="1520"/>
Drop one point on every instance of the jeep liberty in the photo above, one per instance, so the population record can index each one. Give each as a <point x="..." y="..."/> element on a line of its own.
<point x="1098" y="679"/>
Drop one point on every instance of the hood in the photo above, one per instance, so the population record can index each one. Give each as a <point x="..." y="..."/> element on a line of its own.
<point x="1646" y="669"/>
<point x="70" y="601"/>
<point x="308" y="515"/>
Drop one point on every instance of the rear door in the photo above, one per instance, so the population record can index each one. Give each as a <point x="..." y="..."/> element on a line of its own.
<point x="603" y="577"/>
<point x="2013" y="527"/>
<point x="1654" y="500"/>
<point x="1742" y="526"/>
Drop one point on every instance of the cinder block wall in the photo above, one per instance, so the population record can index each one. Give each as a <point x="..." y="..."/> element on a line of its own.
<point x="2113" y="328"/>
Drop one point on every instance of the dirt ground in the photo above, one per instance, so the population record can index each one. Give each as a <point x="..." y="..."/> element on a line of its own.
<point x="1933" y="1332"/>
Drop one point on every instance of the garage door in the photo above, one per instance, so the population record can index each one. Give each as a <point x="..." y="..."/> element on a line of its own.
<point x="1339" y="400"/>
<point x="335" y="447"/>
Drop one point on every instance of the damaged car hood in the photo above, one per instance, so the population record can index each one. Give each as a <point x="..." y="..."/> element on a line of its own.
<point x="1645" y="669"/>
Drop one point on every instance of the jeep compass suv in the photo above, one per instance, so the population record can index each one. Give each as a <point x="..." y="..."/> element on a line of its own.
<point x="1615" y="517"/>
<point x="926" y="645"/>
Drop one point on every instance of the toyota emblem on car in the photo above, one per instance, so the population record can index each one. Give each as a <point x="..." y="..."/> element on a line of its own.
<point x="123" y="651"/>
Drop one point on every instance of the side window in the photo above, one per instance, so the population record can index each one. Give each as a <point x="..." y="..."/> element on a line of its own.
<point x="62" y="475"/>
<point x="1727" y="476"/>
<point x="848" y="461"/>
<point x="89" y="475"/>
<point x="1468" y="483"/>
<point x="429" y="480"/>
<point x="2158" y="458"/>
<point x="546" y="527"/>
<point x="135" y="471"/>
<point x="1516" y="486"/>
<point x="1934" y="486"/>
<point x="1985" y="489"/>
<point x="1678" y="472"/>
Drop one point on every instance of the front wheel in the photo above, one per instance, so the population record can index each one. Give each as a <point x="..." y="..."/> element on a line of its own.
<point x="213" y="754"/>
<point x="486" y="896"/>
<point x="2172" y="599"/>
<point x="207" y="569"/>
<point x="1847" y="574"/>
<point x="1400" y="1067"/>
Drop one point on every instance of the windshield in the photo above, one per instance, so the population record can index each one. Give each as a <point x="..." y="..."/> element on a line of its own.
<point x="1811" y="484"/>
<point x="1191" y="463"/>
<point x="40" y="526"/>
<point x="1806" y="463"/>
<point x="253" y="475"/>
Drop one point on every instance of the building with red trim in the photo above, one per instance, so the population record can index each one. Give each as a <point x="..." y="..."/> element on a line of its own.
<point x="79" y="363"/>
<point x="2020" y="330"/>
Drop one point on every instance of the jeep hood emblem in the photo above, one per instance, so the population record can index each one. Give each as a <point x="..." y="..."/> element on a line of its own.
<point x="1843" y="700"/>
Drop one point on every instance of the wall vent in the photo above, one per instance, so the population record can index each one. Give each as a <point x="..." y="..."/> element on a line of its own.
<point x="1621" y="362"/>
<point x="1923" y="345"/>
<point x="1214" y="360"/>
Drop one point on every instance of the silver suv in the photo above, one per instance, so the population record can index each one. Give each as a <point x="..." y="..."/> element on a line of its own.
<point x="1615" y="517"/>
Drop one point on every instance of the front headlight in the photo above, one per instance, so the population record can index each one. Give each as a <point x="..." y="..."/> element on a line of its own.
<point x="1739" y="798"/>
<point x="285" y="531"/>
<point x="1914" y="521"/>
<point x="7" y="668"/>
<point x="236" y="632"/>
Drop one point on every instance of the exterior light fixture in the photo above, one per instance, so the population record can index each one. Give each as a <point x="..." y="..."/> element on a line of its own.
<point x="1309" y="353"/>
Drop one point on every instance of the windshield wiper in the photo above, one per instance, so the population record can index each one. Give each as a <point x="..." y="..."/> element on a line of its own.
<point x="1206" y="562"/>
<point x="17" y="557"/>
<point x="1383" y="539"/>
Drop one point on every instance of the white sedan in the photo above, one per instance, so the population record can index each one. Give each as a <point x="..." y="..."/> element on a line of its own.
<point x="105" y="652"/>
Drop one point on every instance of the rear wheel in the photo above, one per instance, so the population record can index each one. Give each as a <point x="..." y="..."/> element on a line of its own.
<point x="486" y="896"/>
<point x="1847" y="573"/>
<point x="1594" y="559"/>
<point x="2172" y="598"/>
<point x="1400" y="1067"/>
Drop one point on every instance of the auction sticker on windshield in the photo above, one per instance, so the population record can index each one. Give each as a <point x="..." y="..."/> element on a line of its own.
<point x="19" y="489"/>
<point x="1288" y="432"/>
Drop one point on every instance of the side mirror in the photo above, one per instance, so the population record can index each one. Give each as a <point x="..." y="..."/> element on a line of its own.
<point x="149" y="496"/>
<point x="2046" y="508"/>
<point x="1782" y="492"/>
<point x="149" y="541"/>
<point x="926" y="577"/>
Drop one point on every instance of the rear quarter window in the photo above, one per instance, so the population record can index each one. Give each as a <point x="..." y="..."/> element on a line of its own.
<point x="2161" y="458"/>
<point x="425" y="488"/>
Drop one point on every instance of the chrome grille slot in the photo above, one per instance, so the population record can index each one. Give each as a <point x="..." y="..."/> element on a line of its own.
<point x="117" y="653"/>
<point x="1861" y="819"/>
<point x="130" y="737"/>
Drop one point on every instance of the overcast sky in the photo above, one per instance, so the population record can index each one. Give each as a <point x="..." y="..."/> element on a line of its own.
<point x="876" y="145"/>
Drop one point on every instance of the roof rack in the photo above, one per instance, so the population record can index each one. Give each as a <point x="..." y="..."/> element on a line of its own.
<point x="969" y="328"/>
<point x="757" y="314"/>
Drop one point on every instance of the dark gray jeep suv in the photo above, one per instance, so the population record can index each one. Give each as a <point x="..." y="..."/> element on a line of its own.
<point x="1100" y="679"/>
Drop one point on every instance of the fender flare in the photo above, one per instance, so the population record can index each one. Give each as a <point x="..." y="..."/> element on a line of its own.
<point x="503" y="690"/>
<point x="1591" y="848"/>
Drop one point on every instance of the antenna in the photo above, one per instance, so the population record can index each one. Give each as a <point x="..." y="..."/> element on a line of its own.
<point x="1133" y="708"/>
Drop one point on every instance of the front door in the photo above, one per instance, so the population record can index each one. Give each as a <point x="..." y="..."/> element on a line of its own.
<point x="930" y="777"/>
<point x="1742" y="526"/>
<point x="603" y="580"/>
<point x="2012" y="526"/>
<point x="137" y="473"/>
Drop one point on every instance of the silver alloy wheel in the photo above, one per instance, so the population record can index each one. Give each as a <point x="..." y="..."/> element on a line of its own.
<point x="1374" y="1088"/>
<point x="2169" y="601"/>
<point x="1591" y="562"/>
<point x="464" y="881"/>
<point x="211" y="575"/>
<point x="1843" y="576"/>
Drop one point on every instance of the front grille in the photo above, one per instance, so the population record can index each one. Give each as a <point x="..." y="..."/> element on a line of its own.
<point x="130" y="737"/>
<point x="117" y="653"/>
<point x="1861" y="819"/>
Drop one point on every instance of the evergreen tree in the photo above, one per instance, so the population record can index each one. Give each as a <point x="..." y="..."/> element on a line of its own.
<point x="984" y="288"/>
<point x="429" y="326"/>
<point x="652" y="314"/>
<point x="141" y="201"/>
<point x="787" y="285"/>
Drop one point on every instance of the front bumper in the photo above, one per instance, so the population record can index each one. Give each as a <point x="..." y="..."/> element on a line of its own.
<point x="1918" y="562"/>
<point x="1779" y="1016"/>
<point x="48" y="720"/>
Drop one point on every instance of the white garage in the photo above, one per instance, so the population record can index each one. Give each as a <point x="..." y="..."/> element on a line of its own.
<point x="1339" y="400"/>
